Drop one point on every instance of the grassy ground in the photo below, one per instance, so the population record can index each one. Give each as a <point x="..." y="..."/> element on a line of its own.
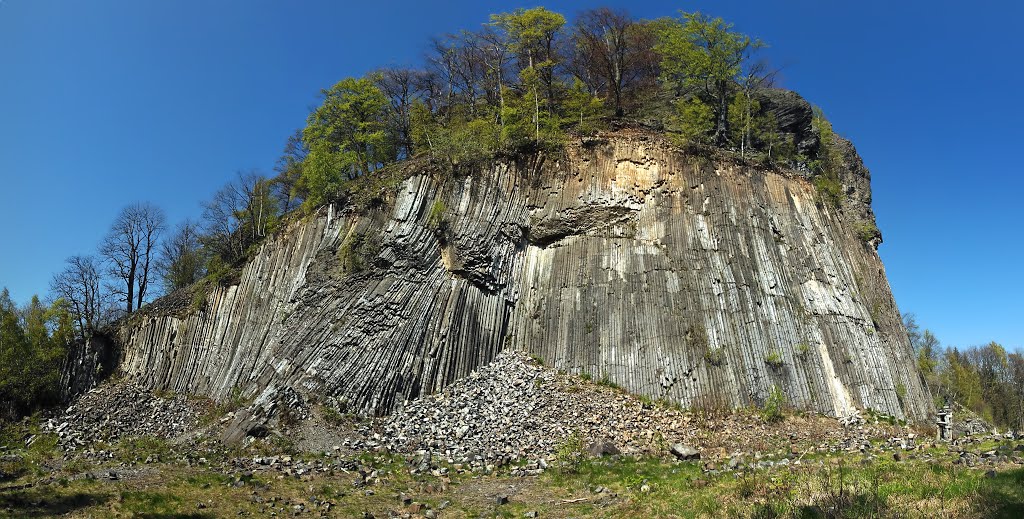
<point x="926" y="483"/>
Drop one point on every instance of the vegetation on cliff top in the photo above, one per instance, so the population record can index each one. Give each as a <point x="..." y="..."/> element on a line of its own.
<point x="528" y="79"/>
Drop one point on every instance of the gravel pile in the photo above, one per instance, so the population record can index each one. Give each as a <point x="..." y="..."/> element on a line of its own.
<point x="514" y="409"/>
<point x="111" y="412"/>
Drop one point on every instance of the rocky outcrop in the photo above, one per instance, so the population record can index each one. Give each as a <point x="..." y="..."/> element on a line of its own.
<point x="793" y="116"/>
<point x="681" y="277"/>
<point x="88" y="362"/>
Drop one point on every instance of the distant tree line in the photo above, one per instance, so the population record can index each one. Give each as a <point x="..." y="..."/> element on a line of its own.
<point x="986" y="379"/>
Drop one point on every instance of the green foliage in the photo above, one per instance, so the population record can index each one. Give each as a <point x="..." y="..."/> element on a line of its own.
<point x="457" y="139"/>
<point x="696" y="121"/>
<point x="200" y="294"/>
<point x="826" y="165"/>
<point x="830" y="190"/>
<point x="33" y="344"/>
<point x="987" y="380"/>
<point x="530" y="31"/>
<point x="182" y="258"/>
<point x="218" y="274"/>
<point x="529" y="117"/>
<point x="774" y="359"/>
<point x="570" y="454"/>
<point x="748" y="126"/>
<point x="333" y="417"/>
<point x="532" y="115"/>
<point x="901" y="392"/>
<point x="607" y="382"/>
<point x="235" y="401"/>
<point x="136" y="449"/>
<point x="774" y="406"/>
<point x="704" y="55"/>
<point x="715" y="356"/>
<point x="346" y="138"/>
<point x="779" y="148"/>
<point x="582" y="109"/>
<point x="802" y="350"/>
<point x="866" y="231"/>
<point x="435" y="217"/>
<point x="356" y="252"/>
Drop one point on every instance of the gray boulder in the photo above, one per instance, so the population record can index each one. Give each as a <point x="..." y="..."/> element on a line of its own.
<point x="684" y="452"/>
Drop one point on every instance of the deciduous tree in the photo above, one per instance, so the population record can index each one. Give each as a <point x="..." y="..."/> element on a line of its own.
<point x="705" y="56"/>
<point x="129" y="248"/>
<point x="531" y="35"/>
<point x="346" y="138"/>
<point x="613" y="55"/>
<point x="81" y="287"/>
<point x="181" y="261"/>
<point x="289" y="171"/>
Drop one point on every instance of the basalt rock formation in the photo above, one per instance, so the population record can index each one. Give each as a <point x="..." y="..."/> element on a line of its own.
<point x="684" y="276"/>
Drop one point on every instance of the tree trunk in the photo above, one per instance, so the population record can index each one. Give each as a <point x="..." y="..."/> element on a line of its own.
<point x="722" y="124"/>
<point x="130" y="282"/>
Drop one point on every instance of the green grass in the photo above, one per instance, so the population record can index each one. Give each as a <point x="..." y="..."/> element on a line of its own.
<point x="826" y="486"/>
<point x="435" y="217"/>
<point x="822" y="485"/>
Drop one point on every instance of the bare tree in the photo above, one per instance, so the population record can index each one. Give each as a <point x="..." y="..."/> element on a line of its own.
<point x="80" y="284"/>
<point x="286" y="185"/>
<point x="221" y="224"/>
<point x="128" y="249"/>
<point x="258" y="202"/>
<point x="497" y="57"/>
<point x="614" y="55"/>
<point x="181" y="260"/>
<point x="400" y="86"/>
<point x="239" y="215"/>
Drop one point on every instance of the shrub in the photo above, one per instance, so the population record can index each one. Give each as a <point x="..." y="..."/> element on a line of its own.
<point x="435" y="217"/>
<point x="695" y="120"/>
<point x="333" y="417"/>
<point x="200" y="291"/>
<point x="774" y="405"/>
<point x="356" y="251"/>
<point x="607" y="382"/>
<point x="827" y="162"/>
<point x="867" y="231"/>
<point x="802" y="350"/>
<point x="830" y="190"/>
<point x="901" y="392"/>
<point x="570" y="453"/>
<point x="774" y="359"/>
<point x="715" y="356"/>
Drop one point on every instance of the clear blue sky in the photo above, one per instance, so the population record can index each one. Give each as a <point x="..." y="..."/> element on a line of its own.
<point x="105" y="102"/>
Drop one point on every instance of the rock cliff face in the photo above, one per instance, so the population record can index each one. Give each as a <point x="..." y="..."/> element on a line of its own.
<point x="673" y="275"/>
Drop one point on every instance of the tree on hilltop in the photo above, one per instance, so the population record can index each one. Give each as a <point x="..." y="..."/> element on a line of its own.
<point x="129" y="249"/>
<point x="704" y="57"/>
<point x="346" y="138"/>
